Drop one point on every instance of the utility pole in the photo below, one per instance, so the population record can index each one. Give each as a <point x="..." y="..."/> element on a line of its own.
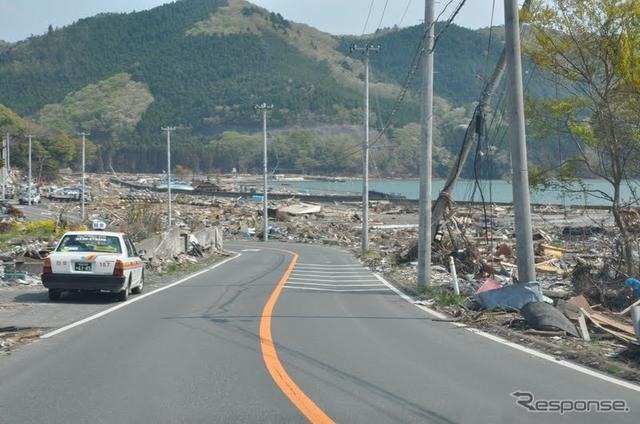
<point x="30" y="169"/>
<point x="3" y="171"/>
<point x="265" y="217"/>
<point x="426" y="149"/>
<point x="521" y="206"/>
<point x="168" y="130"/>
<point x="365" y="146"/>
<point x="8" y="160"/>
<point x="83" y="134"/>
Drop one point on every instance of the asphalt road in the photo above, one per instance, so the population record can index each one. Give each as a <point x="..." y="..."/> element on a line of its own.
<point x="339" y="345"/>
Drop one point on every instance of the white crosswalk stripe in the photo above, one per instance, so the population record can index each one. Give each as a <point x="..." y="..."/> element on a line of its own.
<point x="322" y="278"/>
<point x="307" y="265"/>
<point x="382" y="289"/>
<point x="334" y="279"/>
<point x="300" y="271"/>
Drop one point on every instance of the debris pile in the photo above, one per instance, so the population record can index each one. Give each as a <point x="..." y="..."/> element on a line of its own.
<point x="575" y="263"/>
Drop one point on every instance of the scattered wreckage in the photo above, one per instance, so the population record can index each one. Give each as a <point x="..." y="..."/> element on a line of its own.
<point x="580" y="292"/>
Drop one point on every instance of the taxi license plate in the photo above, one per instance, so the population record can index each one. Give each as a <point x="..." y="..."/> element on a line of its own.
<point x="81" y="266"/>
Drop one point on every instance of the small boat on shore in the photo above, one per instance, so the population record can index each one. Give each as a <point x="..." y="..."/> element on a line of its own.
<point x="175" y="185"/>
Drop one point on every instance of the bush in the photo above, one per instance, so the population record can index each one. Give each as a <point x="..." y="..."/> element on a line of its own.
<point x="44" y="228"/>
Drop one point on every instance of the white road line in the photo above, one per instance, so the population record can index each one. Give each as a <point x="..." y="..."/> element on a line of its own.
<point x="345" y="270"/>
<point x="369" y="276"/>
<point x="524" y="349"/>
<point x="336" y="285"/>
<point x="354" y="266"/>
<point x="305" y="271"/>
<point x="325" y="279"/>
<point x="335" y="290"/>
<point x="133" y="300"/>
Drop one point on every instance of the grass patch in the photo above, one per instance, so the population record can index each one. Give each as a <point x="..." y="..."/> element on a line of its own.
<point x="173" y="268"/>
<point x="190" y="267"/>
<point x="371" y="254"/>
<point x="45" y="229"/>
<point x="331" y="242"/>
<point x="444" y="296"/>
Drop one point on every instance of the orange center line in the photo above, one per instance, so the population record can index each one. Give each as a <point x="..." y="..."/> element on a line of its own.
<point x="308" y="408"/>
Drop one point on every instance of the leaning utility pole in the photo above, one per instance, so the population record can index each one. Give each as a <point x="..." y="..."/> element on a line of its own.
<point x="265" y="209"/>
<point x="83" y="134"/>
<point x="30" y="170"/>
<point x="168" y="130"/>
<point x="474" y="131"/>
<point x="426" y="149"/>
<point x="365" y="147"/>
<point x="521" y="206"/>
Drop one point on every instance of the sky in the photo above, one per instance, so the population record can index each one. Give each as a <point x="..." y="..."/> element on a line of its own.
<point x="21" y="18"/>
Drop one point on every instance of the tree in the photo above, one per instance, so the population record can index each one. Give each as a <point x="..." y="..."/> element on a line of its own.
<point x="10" y="121"/>
<point x="63" y="150"/>
<point x="591" y="49"/>
<point x="235" y="150"/>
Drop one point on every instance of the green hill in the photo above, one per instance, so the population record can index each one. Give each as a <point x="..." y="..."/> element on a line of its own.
<point x="205" y="62"/>
<point x="202" y="65"/>
<point x="460" y="60"/>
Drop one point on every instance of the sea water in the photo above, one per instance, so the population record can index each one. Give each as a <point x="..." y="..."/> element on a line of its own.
<point x="498" y="191"/>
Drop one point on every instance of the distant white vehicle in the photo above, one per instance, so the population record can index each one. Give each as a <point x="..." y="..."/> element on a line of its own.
<point x="24" y="198"/>
<point x="10" y="191"/>
<point x="68" y="194"/>
<point x="47" y="191"/>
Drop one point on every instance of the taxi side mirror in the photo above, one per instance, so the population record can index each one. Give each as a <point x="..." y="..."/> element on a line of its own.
<point x="142" y="253"/>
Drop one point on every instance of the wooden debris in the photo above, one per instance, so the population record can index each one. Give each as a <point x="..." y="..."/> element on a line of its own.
<point x="605" y="320"/>
<point x="625" y="337"/>
<point x="619" y="330"/>
<point x="584" y="331"/>
<point x="544" y="333"/>
<point x="581" y="302"/>
<point x="554" y="251"/>
<point x="547" y="268"/>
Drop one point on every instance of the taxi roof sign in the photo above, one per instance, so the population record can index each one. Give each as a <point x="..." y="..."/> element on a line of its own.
<point x="98" y="225"/>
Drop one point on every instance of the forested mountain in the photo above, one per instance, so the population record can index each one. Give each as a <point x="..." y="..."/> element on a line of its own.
<point x="202" y="65"/>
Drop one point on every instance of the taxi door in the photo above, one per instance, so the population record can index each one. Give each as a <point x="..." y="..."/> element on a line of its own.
<point x="133" y="263"/>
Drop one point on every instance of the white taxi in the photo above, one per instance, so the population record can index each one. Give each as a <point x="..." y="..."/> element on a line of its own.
<point x="94" y="261"/>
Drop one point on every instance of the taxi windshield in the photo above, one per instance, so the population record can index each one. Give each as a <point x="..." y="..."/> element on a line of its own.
<point x="89" y="243"/>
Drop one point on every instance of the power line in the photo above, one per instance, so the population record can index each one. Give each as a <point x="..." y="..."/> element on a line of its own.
<point x="364" y="28"/>
<point x="404" y="14"/>
<point x="486" y="64"/>
<point x="415" y="64"/>
<point x="386" y="3"/>
<point x="413" y="69"/>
